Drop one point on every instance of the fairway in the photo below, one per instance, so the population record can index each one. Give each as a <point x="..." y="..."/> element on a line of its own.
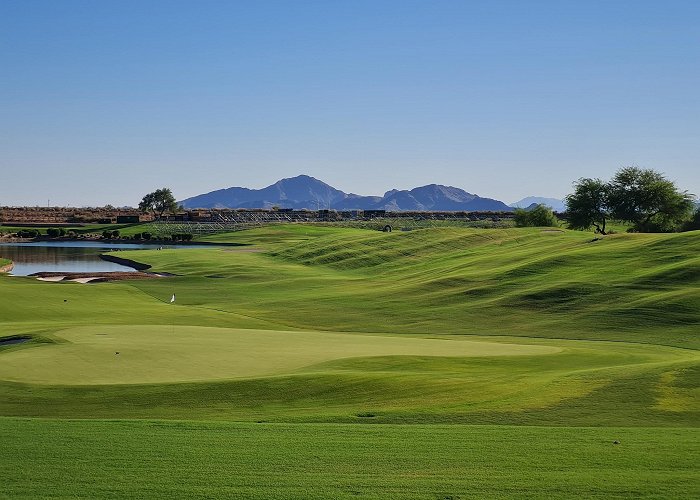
<point x="138" y="354"/>
<point x="204" y="460"/>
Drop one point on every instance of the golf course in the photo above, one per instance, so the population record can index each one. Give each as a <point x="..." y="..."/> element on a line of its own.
<point x="318" y="361"/>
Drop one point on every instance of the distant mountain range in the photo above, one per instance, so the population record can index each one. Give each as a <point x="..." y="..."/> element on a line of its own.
<point x="554" y="203"/>
<point x="304" y="191"/>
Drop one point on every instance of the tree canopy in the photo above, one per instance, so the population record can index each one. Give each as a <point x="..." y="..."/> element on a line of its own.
<point x="648" y="200"/>
<point x="642" y="197"/>
<point x="158" y="202"/>
<point x="588" y="205"/>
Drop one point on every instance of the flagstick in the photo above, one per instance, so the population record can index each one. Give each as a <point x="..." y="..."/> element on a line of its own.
<point x="172" y="317"/>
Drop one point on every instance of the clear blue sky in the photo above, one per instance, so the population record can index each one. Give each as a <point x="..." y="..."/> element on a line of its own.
<point x="103" y="101"/>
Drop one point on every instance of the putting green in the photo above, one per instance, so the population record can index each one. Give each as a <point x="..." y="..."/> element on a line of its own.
<point x="159" y="354"/>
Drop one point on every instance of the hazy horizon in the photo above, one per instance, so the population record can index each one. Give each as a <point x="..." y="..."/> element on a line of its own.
<point x="104" y="102"/>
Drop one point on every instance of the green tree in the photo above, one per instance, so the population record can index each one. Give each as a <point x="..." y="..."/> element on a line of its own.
<point x="539" y="216"/>
<point x="694" y="223"/>
<point x="648" y="200"/>
<point x="158" y="202"/>
<point x="588" y="205"/>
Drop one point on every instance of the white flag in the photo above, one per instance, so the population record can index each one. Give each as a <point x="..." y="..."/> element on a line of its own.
<point x="172" y="299"/>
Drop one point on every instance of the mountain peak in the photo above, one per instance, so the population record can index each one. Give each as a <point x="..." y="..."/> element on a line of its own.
<point x="304" y="191"/>
<point x="300" y="178"/>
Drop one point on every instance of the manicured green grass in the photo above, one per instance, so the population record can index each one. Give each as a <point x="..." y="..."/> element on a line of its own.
<point x="530" y="282"/>
<point x="578" y="383"/>
<point x="151" y="459"/>
<point x="14" y="229"/>
<point x="446" y="283"/>
<point x="137" y="354"/>
<point x="316" y="330"/>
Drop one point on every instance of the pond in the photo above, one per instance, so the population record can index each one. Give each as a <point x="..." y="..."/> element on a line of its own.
<point x="67" y="256"/>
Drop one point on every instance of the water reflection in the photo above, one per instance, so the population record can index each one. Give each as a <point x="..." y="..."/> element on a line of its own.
<point x="64" y="256"/>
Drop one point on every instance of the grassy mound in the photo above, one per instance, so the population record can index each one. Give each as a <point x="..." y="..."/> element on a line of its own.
<point x="529" y="282"/>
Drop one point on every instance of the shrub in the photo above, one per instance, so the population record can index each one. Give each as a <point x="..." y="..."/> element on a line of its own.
<point x="106" y="234"/>
<point x="146" y="235"/>
<point x="28" y="233"/>
<point x="539" y="216"/>
<point x="115" y="233"/>
<point x="53" y="232"/>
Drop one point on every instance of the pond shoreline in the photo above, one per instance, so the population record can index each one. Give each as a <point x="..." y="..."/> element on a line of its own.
<point x="23" y="259"/>
<point x="68" y="255"/>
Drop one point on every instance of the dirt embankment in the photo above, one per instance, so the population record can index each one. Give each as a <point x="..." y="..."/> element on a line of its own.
<point x="7" y="267"/>
<point x="58" y="216"/>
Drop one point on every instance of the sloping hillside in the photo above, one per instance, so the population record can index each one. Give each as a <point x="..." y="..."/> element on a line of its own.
<point x="520" y="281"/>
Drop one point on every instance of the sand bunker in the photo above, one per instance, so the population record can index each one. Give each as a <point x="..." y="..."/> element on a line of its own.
<point x="95" y="277"/>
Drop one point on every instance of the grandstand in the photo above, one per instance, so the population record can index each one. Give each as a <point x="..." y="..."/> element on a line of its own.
<point x="227" y="220"/>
